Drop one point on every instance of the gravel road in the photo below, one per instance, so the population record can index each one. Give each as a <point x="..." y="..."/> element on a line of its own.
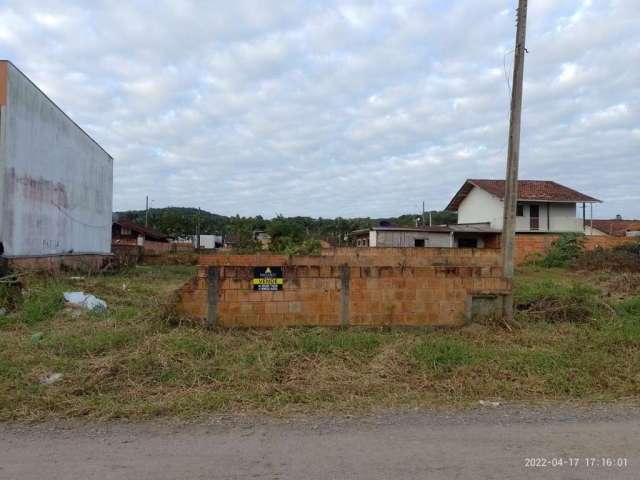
<point x="483" y="443"/>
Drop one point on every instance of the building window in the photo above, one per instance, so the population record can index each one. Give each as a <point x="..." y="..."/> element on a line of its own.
<point x="520" y="210"/>
<point x="418" y="242"/>
<point x="468" y="243"/>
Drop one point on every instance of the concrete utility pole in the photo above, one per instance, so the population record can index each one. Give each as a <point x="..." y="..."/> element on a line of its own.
<point x="511" y="182"/>
<point x="146" y="214"/>
<point x="198" y="231"/>
<point x="424" y="219"/>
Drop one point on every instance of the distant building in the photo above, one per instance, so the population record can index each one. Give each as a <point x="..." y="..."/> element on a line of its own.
<point x="262" y="237"/>
<point x="208" y="242"/>
<point x="617" y="227"/>
<point x="543" y="206"/>
<point x="56" y="182"/>
<point x="448" y="236"/>
<point x="124" y="231"/>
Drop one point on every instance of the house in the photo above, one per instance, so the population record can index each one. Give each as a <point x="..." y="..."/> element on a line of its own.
<point x="543" y="206"/>
<point x="56" y="182"/>
<point x="126" y="232"/>
<point x="617" y="227"/>
<point x="449" y="236"/>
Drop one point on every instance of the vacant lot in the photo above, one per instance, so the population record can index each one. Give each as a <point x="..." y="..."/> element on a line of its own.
<point x="578" y="340"/>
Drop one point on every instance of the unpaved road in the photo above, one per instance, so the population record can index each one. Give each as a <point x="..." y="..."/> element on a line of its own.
<point x="479" y="444"/>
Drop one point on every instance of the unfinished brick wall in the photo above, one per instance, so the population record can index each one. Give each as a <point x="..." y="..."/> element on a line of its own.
<point x="529" y="245"/>
<point x="346" y="286"/>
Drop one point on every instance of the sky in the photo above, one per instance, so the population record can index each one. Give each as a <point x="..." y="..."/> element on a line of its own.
<point x="338" y="108"/>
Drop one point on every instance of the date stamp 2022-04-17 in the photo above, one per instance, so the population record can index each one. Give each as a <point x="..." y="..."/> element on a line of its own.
<point x="577" y="462"/>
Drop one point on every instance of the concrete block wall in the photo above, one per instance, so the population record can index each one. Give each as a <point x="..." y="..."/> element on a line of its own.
<point x="346" y="286"/>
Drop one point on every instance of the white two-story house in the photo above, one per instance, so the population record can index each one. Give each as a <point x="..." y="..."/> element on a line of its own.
<point x="543" y="206"/>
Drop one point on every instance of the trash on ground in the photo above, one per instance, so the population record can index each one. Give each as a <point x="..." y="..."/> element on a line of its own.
<point x="3" y="312"/>
<point x="76" y="278"/>
<point x="487" y="403"/>
<point x="51" y="378"/>
<point x="80" y="299"/>
<point x="36" y="337"/>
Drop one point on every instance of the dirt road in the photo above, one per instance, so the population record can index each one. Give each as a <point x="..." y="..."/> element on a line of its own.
<point x="483" y="443"/>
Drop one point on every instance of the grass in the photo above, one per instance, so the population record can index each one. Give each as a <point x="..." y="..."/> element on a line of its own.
<point x="130" y="363"/>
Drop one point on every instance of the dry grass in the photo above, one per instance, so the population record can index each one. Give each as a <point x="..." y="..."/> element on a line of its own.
<point x="130" y="363"/>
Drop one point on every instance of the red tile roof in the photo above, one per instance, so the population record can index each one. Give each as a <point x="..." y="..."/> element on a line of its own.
<point x="149" y="233"/>
<point x="532" y="190"/>
<point x="617" y="228"/>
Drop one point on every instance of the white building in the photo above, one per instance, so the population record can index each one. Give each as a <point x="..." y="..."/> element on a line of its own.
<point x="56" y="182"/>
<point x="447" y="236"/>
<point x="543" y="206"/>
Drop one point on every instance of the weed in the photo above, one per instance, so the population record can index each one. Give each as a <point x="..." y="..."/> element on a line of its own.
<point x="42" y="303"/>
<point x="563" y="251"/>
<point x="441" y="354"/>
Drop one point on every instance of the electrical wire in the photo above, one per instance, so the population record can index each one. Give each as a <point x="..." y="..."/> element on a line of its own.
<point x="62" y="210"/>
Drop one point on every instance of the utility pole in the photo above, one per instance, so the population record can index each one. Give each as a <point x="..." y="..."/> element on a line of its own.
<point x="424" y="219"/>
<point x="146" y="214"/>
<point x="198" y="231"/>
<point x="511" y="182"/>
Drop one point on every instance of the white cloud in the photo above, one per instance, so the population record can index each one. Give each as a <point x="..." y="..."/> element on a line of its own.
<point x="337" y="108"/>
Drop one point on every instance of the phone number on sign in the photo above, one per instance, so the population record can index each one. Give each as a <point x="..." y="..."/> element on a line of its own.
<point x="600" y="462"/>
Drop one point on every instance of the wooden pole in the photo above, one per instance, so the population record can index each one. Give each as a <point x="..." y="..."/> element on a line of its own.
<point x="513" y="157"/>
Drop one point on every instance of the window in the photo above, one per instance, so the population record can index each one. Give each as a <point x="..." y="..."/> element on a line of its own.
<point x="418" y="242"/>
<point x="520" y="210"/>
<point x="125" y="231"/>
<point x="468" y="243"/>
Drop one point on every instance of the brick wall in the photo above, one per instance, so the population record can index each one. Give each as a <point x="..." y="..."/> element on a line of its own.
<point x="529" y="245"/>
<point x="346" y="286"/>
<point x="55" y="263"/>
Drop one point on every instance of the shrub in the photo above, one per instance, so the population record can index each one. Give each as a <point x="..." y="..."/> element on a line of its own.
<point x="563" y="251"/>
<point x="619" y="258"/>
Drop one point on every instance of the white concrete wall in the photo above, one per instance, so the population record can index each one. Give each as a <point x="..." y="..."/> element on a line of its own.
<point x="57" y="183"/>
<point x="480" y="206"/>
<point x="390" y="238"/>
<point x="564" y="218"/>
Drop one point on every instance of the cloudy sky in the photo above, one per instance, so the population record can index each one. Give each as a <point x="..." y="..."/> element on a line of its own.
<point x="327" y="108"/>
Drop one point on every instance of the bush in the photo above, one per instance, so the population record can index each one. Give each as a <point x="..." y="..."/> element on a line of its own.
<point x="619" y="258"/>
<point x="554" y="302"/>
<point x="563" y="251"/>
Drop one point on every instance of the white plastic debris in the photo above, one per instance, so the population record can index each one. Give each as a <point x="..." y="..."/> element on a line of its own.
<point x="487" y="403"/>
<point x="83" y="300"/>
<point x="51" y="378"/>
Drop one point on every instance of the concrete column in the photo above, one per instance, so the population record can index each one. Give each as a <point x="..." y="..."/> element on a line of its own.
<point x="345" y="276"/>
<point x="213" y="288"/>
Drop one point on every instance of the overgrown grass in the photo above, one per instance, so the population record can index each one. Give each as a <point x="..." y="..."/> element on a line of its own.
<point x="552" y="301"/>
<point x="130" y="363"/>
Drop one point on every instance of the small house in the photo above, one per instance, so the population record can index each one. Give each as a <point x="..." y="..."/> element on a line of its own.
<point x="543" y="206"/>
<point x="124" y="231"/>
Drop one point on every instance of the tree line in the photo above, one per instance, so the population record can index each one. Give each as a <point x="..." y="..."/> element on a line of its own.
<point x="288" y="233"/>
